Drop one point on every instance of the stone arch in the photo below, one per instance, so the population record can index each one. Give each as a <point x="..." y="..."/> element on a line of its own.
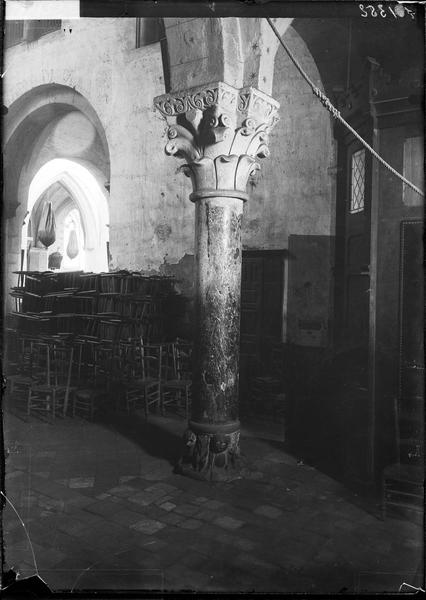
<point x="85" y="185"/>
<point x="40" y="100"/>
<point x="28" y="118"/>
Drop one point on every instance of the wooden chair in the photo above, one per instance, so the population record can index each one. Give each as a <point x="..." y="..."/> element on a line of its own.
<point x="177" y="381"/>
<point x="142" y="380"/>
<point x="93" y="379"/>
<point x="32" y="367"/>
<point x="51" y="397"/>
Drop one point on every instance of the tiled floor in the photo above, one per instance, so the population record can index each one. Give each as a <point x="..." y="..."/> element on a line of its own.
<point x="103" y="510"/>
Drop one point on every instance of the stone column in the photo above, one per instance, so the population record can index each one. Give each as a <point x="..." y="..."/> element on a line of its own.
<point x="221" y="132"/>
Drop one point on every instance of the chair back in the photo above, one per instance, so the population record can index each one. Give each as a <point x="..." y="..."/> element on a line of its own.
<point x="60" y="365"/>
<point x="182" y="359"/>
<point x="127" y="363"/>
<point x="151" y="356"/>
<point x="38" y="361"/>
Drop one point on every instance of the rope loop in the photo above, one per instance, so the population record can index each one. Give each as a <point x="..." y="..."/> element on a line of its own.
<point x="336" y="114"/>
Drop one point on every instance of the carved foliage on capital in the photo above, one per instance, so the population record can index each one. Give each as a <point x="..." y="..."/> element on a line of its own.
<point x="221" y="132"/>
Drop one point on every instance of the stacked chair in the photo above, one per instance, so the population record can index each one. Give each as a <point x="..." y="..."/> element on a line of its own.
<point x="50" y="394"/>
<point x="140" y="375"/>
<point x="92" y="374"/>
<point x="177" y="376"/>
<point x="54" y="375"/>
<point x="29" y="365"/>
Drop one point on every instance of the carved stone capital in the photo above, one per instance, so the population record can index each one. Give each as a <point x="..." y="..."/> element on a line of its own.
<point x="221" y="132"/>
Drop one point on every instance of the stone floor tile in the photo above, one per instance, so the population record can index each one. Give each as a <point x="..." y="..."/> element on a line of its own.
<point x="103" y="496"/>
<point x="13" y="475"/>
<point x="199" y="500"/>
<point x="168" y="506"/>
<point x="228" y="522"/>
<point x="121" y="491"/>
<point x="158" y="474"/>
<point x="143" y="499"/>
<point x="161" y="487"/>
<point x="103" y="507"/>
<point x="190" y="524"/>
<point x="81" y="482"/>
<point x="153" y="545"/>
<point x="244" y="544"/>
<point x="213" y="504"/>
<point x="197" y="581"/>
<point x="204" y="545"/>
<point x="76" y="503"/>
<point x="268" y="511"/>
<point x="72" y="526"/>
<point x="163" y="499"/>
<point x="206" y="515"/>
<point x="170" y="555"/>
<point x="152" y="512"/>
<point x="314" y="544"/>
<point x="121" y="579"/>
<point x="126" y="479"/>
<point x="148" y="526"/>
<point x="43" y="474"/>
<point x="172" y="518"/>
<point x="255" y="562"/>
<point x="186" y="509"/>
<point x="125" y="517"/>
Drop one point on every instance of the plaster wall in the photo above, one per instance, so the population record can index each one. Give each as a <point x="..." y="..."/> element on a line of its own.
<point x="151" y="220"/>
<point x="294" y="194"/>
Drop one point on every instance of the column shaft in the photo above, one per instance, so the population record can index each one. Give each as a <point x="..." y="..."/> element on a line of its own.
<point x="218" y="281"/>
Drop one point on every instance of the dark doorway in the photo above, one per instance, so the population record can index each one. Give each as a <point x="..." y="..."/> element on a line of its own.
<point x="262" y="287"/>
<point x="354" y="206"/>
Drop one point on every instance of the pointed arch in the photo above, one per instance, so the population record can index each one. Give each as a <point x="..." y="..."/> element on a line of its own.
<point x="85" y="184"/>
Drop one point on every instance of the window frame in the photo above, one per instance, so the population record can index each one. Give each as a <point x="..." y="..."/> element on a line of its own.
<point x="355" y="208"/>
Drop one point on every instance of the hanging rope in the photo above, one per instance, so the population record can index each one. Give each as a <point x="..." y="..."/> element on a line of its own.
<point x="336" y="114"/>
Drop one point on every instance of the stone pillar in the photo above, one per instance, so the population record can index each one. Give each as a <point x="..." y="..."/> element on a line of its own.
<point x="221" y="132"/>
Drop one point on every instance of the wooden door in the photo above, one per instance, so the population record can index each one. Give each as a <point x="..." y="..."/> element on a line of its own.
<point x="357" y="249"/>
<point x="262" y="285"/>
<point x="353" y="230"/>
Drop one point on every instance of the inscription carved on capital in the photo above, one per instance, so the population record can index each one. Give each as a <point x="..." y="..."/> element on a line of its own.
<point x="220" y="131"/>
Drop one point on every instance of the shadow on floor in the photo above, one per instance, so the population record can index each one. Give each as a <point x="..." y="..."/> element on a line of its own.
<point x="153" y="438"/>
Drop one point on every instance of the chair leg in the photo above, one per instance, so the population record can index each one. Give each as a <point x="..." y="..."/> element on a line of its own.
<point x="186" y="403"/>
<point x="29" y="403"/>
<point x="145" y="395"/>
<point x="92" y="408"/>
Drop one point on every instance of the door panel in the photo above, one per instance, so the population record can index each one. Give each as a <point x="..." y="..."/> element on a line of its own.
<point x="261" y="303"/>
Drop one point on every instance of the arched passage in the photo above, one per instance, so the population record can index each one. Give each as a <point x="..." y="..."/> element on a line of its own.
<point x="52" y="135"/>
<point x="85" y="186"/>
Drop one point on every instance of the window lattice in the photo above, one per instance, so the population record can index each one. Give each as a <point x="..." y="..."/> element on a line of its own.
<point x="357" y="181"/>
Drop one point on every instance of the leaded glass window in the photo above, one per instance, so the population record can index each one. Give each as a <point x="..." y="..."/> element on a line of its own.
<point x="357" y="181"/>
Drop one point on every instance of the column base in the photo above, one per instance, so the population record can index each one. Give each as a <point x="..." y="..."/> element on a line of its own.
<point x="211" y="452"/>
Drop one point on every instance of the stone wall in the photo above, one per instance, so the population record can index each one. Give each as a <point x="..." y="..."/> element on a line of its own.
<point x="151" y="218"/>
